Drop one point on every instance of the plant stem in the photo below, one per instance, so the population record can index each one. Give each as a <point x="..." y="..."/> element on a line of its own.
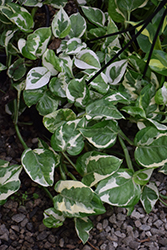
<point x="48" y="193"/>
<point x="127" y="156"/>
<point x="69" y="173"/>
<point x="20" y="137"/>
<point x="125" y="137"/>
<point x="66" y="156"/>
<point x="163" y="196"/>
<point x="162" y="202"/>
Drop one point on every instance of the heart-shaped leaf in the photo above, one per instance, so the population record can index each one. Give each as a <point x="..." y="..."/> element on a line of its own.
<point x="82" y="227"/>
<point x="37" y="77"/>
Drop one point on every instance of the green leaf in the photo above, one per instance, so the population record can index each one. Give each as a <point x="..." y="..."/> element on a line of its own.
<point x="94" y="15"/>
<point x="77" y="92"/>
<point x="158" y="62"/>
<point x="37" y="77"/>
<point x="100" y="83"/>
<point x="82" y="227"/>
<point x="119" y="189"/>
<point x="161" y="95"/>
<point x="115" y="71"/>
<point x="51" y="62"/>
<point x="78" y="25"/>
<point x="68" y="138"/>
<point x="117" y="97"/>
<point x="149" y="197"/>
<point x="58" y="87"/>
<point x="47" y="103"/>
<point x="31" y="97"/>
<point x="115" y="13"/>
<point x="53" y="120"/>
<point x="101" y="135"/>
<point x="61" y="24"/>
<point x="76" y="199"/>
<point x="33" y="3"/>
<point x="57" y="4"/>
<point x="74" y="46"/>
<point x="39" y="164"/>
<point x="102" y="108"/>
<point x="17" y="70"/>
<point x="87" y="59"/>
<point x="95" y="166"/>
<point x="19" y="16"/>
<point x="2" y="67"/>
<point x="142" y="176"/>
<point x="9" y="180"/>
<point x="134" y="111"/>
<point x="53" y="218"/>
<point x="151" y="147"/>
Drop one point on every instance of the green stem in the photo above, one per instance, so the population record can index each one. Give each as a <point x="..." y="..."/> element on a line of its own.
<point x="125" y="137"/>
<point x="127" y="156"/>
<point x="163" y="202"/>
<point x="69" y="173"/>
<point x="163" y="196"/>
<point x="20" y="137"/>
<point x="48" y="193"/>
<point x="66" y="156"/>
<point x="62" y="172"/>
<point x="33" y="12"/>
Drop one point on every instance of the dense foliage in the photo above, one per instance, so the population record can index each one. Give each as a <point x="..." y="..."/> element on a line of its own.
<point x="110" y="69"/>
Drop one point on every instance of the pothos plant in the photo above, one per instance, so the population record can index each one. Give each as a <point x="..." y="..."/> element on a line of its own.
<point x="84" y="90"/>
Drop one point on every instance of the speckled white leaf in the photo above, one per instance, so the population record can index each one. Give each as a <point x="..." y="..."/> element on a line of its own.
<point x="115" y="71"/>
<point x="76" y="199"/>
<point x="95" y="166"/>
<point x="51" y="62"/>
<point x="61" y="24"/>
<point x="87" y="59"/>
<point x="74" y="46"/>
<point x="9" y="180"/>
<point x="95" y="15"/>
<point x="53" y="218"/>
<point x="149" y="196"/>
<point x="40" y="164"/>
<point x="142" y="176"/>
<point x="119" y="189"/>
<point x="78" y="25"/>
<point x="82" y="227"/>
<point x="37" y="77"/>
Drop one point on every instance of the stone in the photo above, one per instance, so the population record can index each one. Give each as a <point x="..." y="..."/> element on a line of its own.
<point x="18" y="217"/>
<point x="158" y="223"/>
<point x="134" y="244"/>
<point x="120" y="235"/>
<point x="61" y="242"/>
<point x="144" y="227"/>
<point x="24" y="222"/>
<point x="86" y="247"/>
<point x="103" y="246"/>
<point x="136" y="215"/>
<point x="3" y="229"/>
<point x="99" y="226"/>
<point x="112" y="219"/>
<point x="137" y="223"/>
<point x="4" y="236"/>
<point x="3" y="247"/>
<point x="162" y="241"/>
<point x="42" y="236"/>
<point x="51" y="238"/>
<point x="15" y="228"/>
<point x="105" y="223"/>
<point x="121" y="216"/>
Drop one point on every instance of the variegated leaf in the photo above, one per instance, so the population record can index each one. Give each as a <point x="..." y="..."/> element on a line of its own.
<point x="77" y="92"/>
<point x="95" y="166"/>
<point x="74" y="46"/>
<point x="115" y="71"/>
<point x="117" y="97"/>
<point x="53" y="120"/>
<point x="57" y="4"/>
<point x="31" y="97"/>
<point x="100" y="83"/>
<point x="53" y="218"/>
<point x="51" y="62"/>
<point x="40" y="164"/>
<point x="119" y="189"/>
<point x="61" y="24"/>
<point x="158" y="62"/>
<point x="37" y="77"/>
<point x="142" y="176"/>
<point x="94" y="15"/>
<point x="149" y="196"/>
<point x="87" y="59"/>
<point x="68" y="138"/>
<point x="9" y="180"/>
<point x="101" y="135"/>
<point x="76" y="199"/>
<point x="82" y="227"/>
<point x="102" y="108"/>
<point x="151" y="147"/>
<point x="78" y="25"/>
<point x="17" y="70"/>
<point x="2" y="67"/>
<point x="58" y="87"/>
<point x="161" y="95"/>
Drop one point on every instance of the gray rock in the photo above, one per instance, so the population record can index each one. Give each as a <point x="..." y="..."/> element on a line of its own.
<point x="127" y="240"/>
<point x="61" y="242"/>
<point x="86" y="247"/>
<point x="105" y="223"/>
<point x="134" y="244"/>
<point x="18" y="217"/>
<point x="3" y="229"/>
<point x="136" y="215"/>
<point x="155" y="231"/>
<point x="42" y="235"/>
<point x="121" y="216"/>
<point x="103" y="246"/>
<point x="4" y="236"/>
<point x="51" y="238"/>
<point x="158" y="223"/>
<point x="24" y="222"/>
<point x="144" y="227"/>
<point x="3" y="247"/>
<point x="99" y="226"/>
<point x="163" y="241"/>
<point x="120" y="235"/>
<point x="112" y="219"/>
<point x="137" y="223"/>
<point x="15" y="228"/>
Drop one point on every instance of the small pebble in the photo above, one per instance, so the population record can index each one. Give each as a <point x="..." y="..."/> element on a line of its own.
<point x="18" y="217"/>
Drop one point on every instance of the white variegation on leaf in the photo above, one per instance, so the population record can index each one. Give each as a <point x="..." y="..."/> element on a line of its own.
<point x="161" y="95"/>
<point x="149" y="196"/>
<point x="151" y="147"/>
<point x="95" y="166"/>
<point x="100" y="83"/>
<point x="77" y="92"/>
<point x="115" y="71"/>
<point x="37" y="77"/>
<point x="61" y="24"/>
<point x="17" y="70"/>
<point x="78" y="25"/>
<point x="101" y="135"/>
<point x="158" y="125"/>
<point x="142" y="176"/>
<point x="33" y="3"/>
<point x="53" y="120"/>
<point x="53" y="218"/>
<point x="68" y="138"/>
<point x="102" y="108"/>
<point x="57" y="4"/>
<point x="74" y="46"/>
<point x="76" y="200"/>
<point x="82" y="227"/>
<point x="95" y="15"/>
<point x="51" y="62"/>
<point x="57" y="86"/>
<point x="40" y="164"/>
<point x="9" y="180"/>
<point x="119" y="189"/>
<point x="87" y="59"/>
<point x="117" y="97"/>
